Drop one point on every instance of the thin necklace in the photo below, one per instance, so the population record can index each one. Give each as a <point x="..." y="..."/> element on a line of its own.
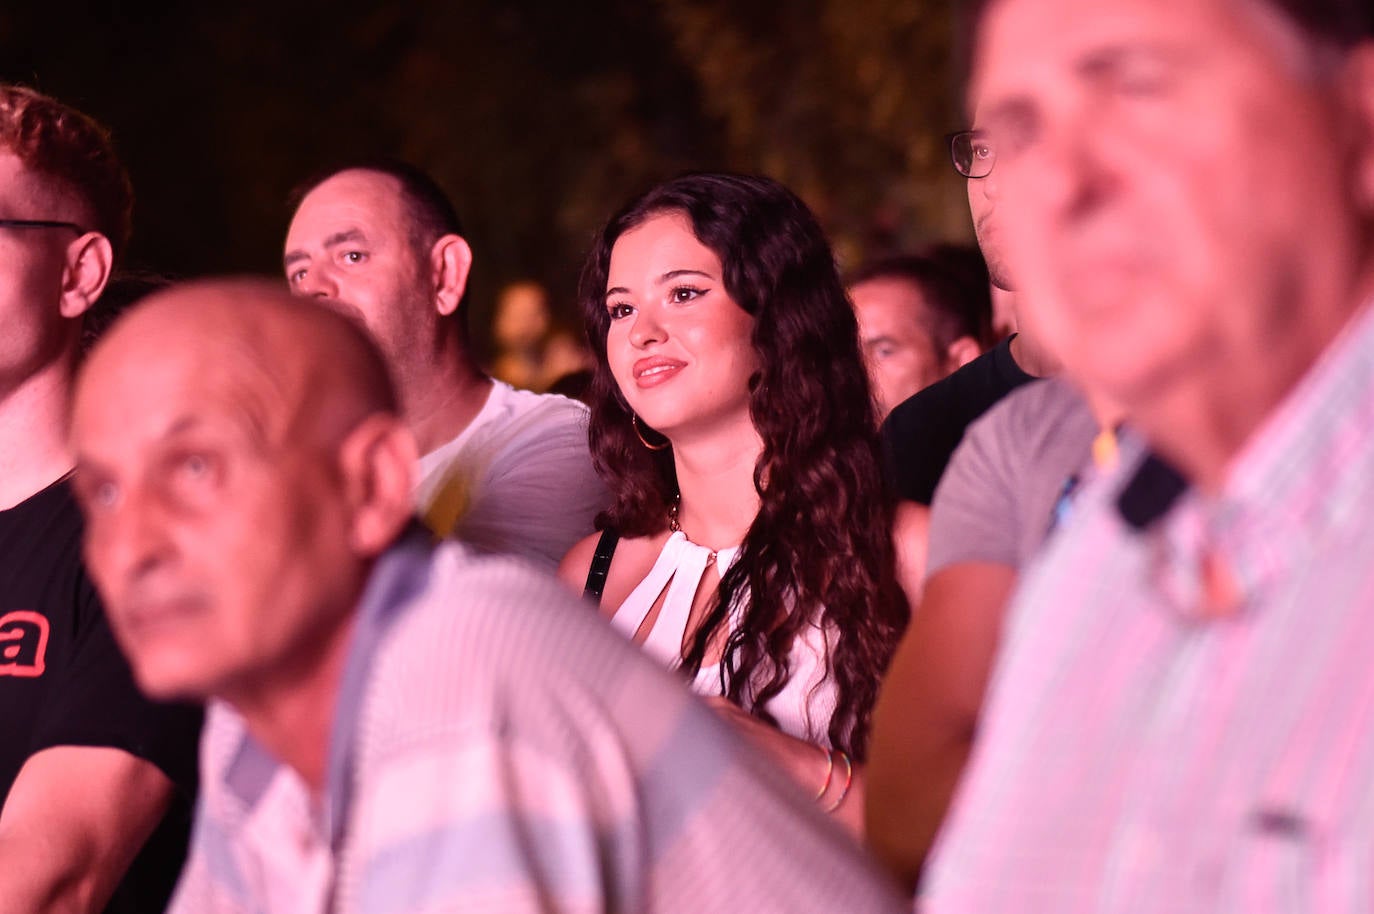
<point x="676" y="527"/>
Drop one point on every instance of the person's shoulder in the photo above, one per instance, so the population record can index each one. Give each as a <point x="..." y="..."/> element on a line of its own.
<point x="1021" y="408"/>
<point x="492" y="591"/>
<point x="951" y="393"/>
<point x="521" y="403"/>
<point x="489" y="631"/>
<point x="1035" y="413"/>
<point x="51" y="513"/>
<point x="933" y="398"/>
<point x="523" y="420"/>
<point x="577" y="562"/>
<point x="1045" y="395"/>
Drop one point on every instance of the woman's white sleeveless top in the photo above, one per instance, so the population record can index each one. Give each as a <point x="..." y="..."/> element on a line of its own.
<point x="806" y="703"/>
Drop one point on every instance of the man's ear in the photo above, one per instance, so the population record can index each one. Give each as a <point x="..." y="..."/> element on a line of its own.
<point x="450" y="260"/>
<point x="962" y="351"/>
<point x="377" y="461"/>
<point x="90" y="260"/>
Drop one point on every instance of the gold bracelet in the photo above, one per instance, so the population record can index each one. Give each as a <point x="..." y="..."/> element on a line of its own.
<point x="848" y="779"/>
<point x="829" y="771"/>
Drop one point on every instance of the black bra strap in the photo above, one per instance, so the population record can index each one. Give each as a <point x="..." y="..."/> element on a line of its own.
<point x="601" y="564"/>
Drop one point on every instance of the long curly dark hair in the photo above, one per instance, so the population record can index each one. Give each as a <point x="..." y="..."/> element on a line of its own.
<point x="823" y="534"/>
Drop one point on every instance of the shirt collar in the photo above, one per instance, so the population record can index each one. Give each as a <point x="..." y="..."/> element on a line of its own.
<point x="1150" y="492"/>
<point x="1281" y="491"/>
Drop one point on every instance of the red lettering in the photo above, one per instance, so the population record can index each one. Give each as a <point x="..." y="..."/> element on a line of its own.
<point x="23" y="643"/>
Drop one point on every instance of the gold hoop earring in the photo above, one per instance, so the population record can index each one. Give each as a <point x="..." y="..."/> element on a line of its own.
<point x="634" y="424"/>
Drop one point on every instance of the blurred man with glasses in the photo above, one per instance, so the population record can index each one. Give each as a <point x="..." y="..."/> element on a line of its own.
<point x="1181" y="716"/>
<point x="88" y="767"/>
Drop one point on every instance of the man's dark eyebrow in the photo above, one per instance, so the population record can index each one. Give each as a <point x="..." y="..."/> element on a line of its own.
<point x="247" y="411"/>
<point x="1014" y="110"/>
<point x="347" y="236"/>
<point x="344" y="237"/>
<point x="184" y="424"/>
<point x="1103" y="61"/>
<point x="84" y="464"/>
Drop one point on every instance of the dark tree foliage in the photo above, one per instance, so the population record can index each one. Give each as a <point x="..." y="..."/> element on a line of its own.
<point x="539" y="118"/>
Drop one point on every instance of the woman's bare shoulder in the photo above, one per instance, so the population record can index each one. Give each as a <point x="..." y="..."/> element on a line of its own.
<point x="633" y="558"/>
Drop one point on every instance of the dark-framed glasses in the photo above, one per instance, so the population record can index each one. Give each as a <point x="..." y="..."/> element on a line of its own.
<point x="972" y="153"/>
<point x="41" y="223"/>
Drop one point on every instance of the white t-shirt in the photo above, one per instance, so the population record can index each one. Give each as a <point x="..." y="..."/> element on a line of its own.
<point x="518" y="480"/>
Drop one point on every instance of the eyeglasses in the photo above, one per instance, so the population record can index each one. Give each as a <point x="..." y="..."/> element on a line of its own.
<point x="41" y="223"/>
<point x="972" y="153"/>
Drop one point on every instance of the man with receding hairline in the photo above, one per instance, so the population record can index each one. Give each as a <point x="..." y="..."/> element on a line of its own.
<point x="394" y="725"/>
<point x="1180" y="718"/>
<point x="505" y="470"/>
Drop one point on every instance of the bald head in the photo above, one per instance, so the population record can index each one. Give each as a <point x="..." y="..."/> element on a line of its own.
<point x="286" y="361"/>
<point x="241" y="462"/>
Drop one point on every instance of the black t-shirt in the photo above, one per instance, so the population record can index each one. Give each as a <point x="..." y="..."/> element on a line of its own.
<point x="920" y="435"/>
<point x="63" y="681"/>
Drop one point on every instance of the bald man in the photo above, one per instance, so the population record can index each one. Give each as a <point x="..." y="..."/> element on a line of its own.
<point x="393" y="725"/>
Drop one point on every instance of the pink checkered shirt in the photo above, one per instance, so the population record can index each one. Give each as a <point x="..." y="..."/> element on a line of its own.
<point x="1153" y="742"/>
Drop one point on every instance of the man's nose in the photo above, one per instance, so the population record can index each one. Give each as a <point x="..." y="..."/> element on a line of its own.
<point x="1071" y="171"/>
<point x="131" y="540"/>
<point x="317" y="283"/>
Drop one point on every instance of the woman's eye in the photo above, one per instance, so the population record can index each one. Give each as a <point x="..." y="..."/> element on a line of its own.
<point x="683" y="294"/>
<point x="619" y="310"/>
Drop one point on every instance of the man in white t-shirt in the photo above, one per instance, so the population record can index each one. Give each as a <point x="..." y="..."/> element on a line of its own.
<point x="505" y="470"/>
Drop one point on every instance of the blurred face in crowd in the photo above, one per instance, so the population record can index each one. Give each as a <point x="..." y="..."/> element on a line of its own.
<point x="522" y="316"/>
<point x="1174" y="183"/>
<point x="350" y="241"/>
<point x="222" y="520"/>
<point x="901" y="355"/>
<point x="678" y="345"/>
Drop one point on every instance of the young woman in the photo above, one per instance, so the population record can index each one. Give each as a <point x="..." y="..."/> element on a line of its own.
<point x="750" y="542"/>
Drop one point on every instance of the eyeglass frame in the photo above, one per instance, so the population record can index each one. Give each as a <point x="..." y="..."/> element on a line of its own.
<point x="41" y="223"/>
<point x="951" y="139"/>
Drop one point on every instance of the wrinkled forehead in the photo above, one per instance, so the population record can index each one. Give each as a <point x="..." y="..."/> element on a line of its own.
<point x="149" y="377"/>
<point x="1027" y="46"/>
